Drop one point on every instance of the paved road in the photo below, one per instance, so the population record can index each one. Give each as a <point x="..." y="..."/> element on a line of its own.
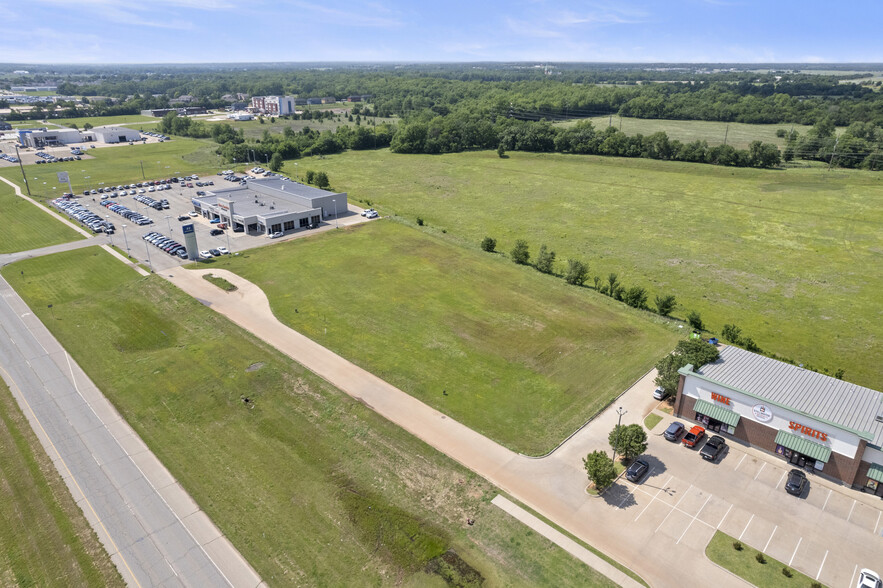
<point x="156" y="535"/>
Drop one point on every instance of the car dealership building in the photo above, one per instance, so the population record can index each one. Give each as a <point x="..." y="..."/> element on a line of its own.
<point x="808" y="419"/>
<point x="270" y="205"/>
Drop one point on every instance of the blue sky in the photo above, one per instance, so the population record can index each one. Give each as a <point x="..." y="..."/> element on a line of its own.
<point x="151" y="31"/>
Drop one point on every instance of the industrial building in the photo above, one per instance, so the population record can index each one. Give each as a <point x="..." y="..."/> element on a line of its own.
<point x="183" y="111"/>
<point x="45" y="138"/>
<point x="811" y="420"/>
<point x="115" y="134"/>
<point x="240" y="116"/>
<point x="271" y="205"/>
<point x="273" y="105"/>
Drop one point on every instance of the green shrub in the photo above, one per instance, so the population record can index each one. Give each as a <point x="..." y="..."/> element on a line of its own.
<point x="695" y="321"/>
<point x="787" y="573"/>
<point x="419" y="222"/>
<point x="760" y="558"/>
<point x="520" y="253"/>
<point x="737" y="545"/>
<point x="489" y="244"/>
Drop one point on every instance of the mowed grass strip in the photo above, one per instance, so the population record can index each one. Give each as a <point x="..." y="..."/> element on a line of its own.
<point x="519" y="356"/>
<point x="101" y="121"/>
<point x="744" y="564"/>
<point x="23" y="226"/>
<point x="789" y="256"/>
<point x="44" y="538"/>
<point x="311" y="486"/>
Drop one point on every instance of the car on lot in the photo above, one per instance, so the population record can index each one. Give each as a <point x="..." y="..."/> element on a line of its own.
<point x="372" y="214"/>
<point x="192" y="214"/>
<point x="216" y="232"/>
<point x="205" y="255"/>
<point x="796" y="483"/>
<point x="224" y="250"/>
<point x="695" y="435"/>
<point x="367" y="210"/>
<point x="215" y="252"/>
<point x="713" y="448"/>
<point x="659" y="393"/>
<point x="183" y="217"/>
<point x="674" y="431"/>
<point x="215" y="221"/>
<point x="869" y="579"/>
<point x="276" y="235"/>
<point x="637" y="470"/>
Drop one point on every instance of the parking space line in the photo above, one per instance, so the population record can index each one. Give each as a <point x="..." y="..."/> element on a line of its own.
<point x="746" y="527"/>
<point x="823" y="564"/>
<point x="744" y="455"/>
<point x="852" y="579"/>
<point x="763" y="465"/>
<point x="877" y="526"/>
<point x="631" y="491"/>
<point x="770" y="539"/>
<point x="799" y="539"/>
<point x="724" y="517"/>
<point x="694" y="519"/>
<point x="780" y="479"/>
<point x="675" y="507"/>
<point x="826" y="500"/>
<point x="654" y="497"/>
<point x="850" y="510"/>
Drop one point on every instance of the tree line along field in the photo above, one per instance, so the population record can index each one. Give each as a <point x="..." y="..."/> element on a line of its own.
<point x="518" y="356"/>
<point x="787" y="255"/>
<point x="44" y="538"/>
<point x="311" y="486"/>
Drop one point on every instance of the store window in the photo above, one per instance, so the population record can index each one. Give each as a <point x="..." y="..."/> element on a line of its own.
<point x="715" y="425"/>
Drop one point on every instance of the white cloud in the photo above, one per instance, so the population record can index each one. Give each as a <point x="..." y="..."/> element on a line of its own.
<point x="531" y="29"/>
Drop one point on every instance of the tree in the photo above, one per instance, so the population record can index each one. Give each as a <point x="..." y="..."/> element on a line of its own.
<point x="545" y="260"/>
<point x="665" y="304"/>
<point x="488" y="244"/>
<point x="695" y="321"/>
<point x="636" y="296"/>
<point x="599" y="468"/>
<point x="276" y="162"/>
<point x="501" y="151"/>
<point x="577" y="272"/>
<point x="690" y="351"/>
<point x="520" y="253"/>
<point x="731" y="334"/>
<point x="629" y="441"/>
<point x="611" y="280"/>
<point x="322" y="180"/>
<point x="310" y="175"/>
<point x="87" y="126"/>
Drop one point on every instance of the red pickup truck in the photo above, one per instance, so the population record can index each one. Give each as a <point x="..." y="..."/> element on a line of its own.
<point x="694" y="436"/>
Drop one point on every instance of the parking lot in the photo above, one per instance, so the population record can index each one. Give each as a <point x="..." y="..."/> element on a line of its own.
<point x="828" y="533"/>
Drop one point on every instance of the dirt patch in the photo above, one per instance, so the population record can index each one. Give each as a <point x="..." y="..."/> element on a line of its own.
<point x="454" y="571"/>
<point x="255" y="366"/>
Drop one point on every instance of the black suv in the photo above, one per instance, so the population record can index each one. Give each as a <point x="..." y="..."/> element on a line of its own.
<point x="712" y="448"/>
<point x="796" y="483"/>
<point x="637" y="470"/>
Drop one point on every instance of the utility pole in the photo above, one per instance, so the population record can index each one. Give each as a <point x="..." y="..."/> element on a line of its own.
<point x="23" y="176"/>
<point x="726" y="132"/>
<point x="831" y="163"/>
<point x="143" y="177"/>
<point x="620" y="412"/>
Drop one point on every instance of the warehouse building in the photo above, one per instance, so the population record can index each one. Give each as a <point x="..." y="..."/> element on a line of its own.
<point x="271" y="205"/>
<point x="115" y="134"/>
<point x="808" y="419"/>
<point x="45" y="138"/>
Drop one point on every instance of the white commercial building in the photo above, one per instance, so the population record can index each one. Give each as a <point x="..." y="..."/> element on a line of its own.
<point x="45" y="138"/>
<point x="115" y="134"/>
<point x="273" y="105"/>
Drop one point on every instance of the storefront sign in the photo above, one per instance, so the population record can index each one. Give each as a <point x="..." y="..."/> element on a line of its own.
<point x="720" y="398"/>
<point x="808" y="431"/>
<point x="762" y="413"/>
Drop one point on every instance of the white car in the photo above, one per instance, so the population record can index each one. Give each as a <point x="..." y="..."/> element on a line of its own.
<point x="868" y="579"/>
<point x="367" y="210"/>
<point x="192" y="214"/>
<point x="372" y="214"/>
<point x="276" y="235"/>
<point x="223" y="250"/>
<point x="205" y="255"/>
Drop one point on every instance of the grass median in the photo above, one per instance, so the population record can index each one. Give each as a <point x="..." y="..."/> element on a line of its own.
<point x="23" y="226"/>
<point x="744" y="562"/>
<point x="311" y="486"/>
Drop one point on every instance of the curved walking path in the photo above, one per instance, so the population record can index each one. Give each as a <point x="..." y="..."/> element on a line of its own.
<point x="552" y="486"/>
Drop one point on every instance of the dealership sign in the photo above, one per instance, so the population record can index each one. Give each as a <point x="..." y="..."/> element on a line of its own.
<point x="762" y="413"/>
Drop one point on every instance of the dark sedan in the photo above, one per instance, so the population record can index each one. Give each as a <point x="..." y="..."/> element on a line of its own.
<point x="796" y="483"/>
<point x="713" y="448"/>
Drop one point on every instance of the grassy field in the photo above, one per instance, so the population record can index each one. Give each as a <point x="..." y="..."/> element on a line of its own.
<point x="253" y="129"/>
<point x="44" y="538"/>
<point x="99" y="121"/>
<point x="123" y="164"/>
<point x="743" y="563"/>
<point x="312" y="487"/>
<point x="739" y="135"/>
<point x="518" y="356"/>
<point x="25" y="227"/>
<point x="790" y="256"/>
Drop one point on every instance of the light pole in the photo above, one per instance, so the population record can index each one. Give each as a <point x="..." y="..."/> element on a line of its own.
<point x="147" y="249"/>
<point x="620" y="412"/>
<point x="126" y="239"/>
<point x="228" y="237"/>
<point x="336" y="223"/>
<point x="170" y="222"/>
<point x="295" y="172"/>
<point x="110" y="235"/>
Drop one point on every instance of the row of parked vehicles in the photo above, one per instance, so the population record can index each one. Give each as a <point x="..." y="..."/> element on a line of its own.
<point x="127" y="213"/>
<point x="47" y="158"/>
<point x="167" y="244"/>
<point x="77" y="211"/>
<point x="9" y="158"/>
<point x="155" y="204"/>
<point x="159" y="136"/>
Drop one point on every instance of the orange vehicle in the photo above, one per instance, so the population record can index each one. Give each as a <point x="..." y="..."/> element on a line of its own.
<point x="695" y="435"/>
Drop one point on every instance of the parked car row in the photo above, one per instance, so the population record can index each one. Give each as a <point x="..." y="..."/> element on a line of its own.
<point x="159" y="136"/>
<point x="9" y="158"/>
<point x="155" y="204"/>
<point x="126" y="213"/>
<point x="216" y="252"/>
<point x="77" y="211"/>
<point x="47" y="158"/>
<point x="167" y="244"/>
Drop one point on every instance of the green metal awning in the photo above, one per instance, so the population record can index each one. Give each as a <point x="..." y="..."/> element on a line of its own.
<point x="716" y="412"/>
<point x="876" y="472"/>
<point x="803" y="446"/>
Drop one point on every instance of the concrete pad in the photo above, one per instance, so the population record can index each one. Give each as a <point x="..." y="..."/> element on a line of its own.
<point x="771" y="476"/>
<point x="179" y="500"/>
<point x="838" y="571"/>
<point x="839" y="505"/>
<point x="864" y="516"/>
<point x="749" y="466"/>
<point x="694" y="501"/>
<point x="735" y="522"/>
<point x="236" y="570"/>
<point x="758" y="533"/>
<point x="674" y="525"/>
<point x="809" y="557"/>
<point x="674" y="491"/>
<point x="158" y="475"/>
<point x="697" y="536"/>
<point x="714" y="511"/>
<point x="653" y="515"/>
<point x="818" y="497"/>
<point x="783" y="544"/>
<point x="202" y="528"/>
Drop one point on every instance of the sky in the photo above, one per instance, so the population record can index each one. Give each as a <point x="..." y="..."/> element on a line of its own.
<point x="221" y="31"/>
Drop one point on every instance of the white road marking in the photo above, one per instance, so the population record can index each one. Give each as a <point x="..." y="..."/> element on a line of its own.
<point x="795" y="550"/>
<point x="674" y="508"/>
<point x="725" y="516"/>
<point x="828" y="498"/>
<point x="654" y="497"/>
<point x="632" y="489"/>
<point x="694" y="519"/>
<point x="763" y="465"/>
<point x="744" y="455"/>
<point x="780" y="479"/>
<point x="850" y="510"/>
<point x="770" y="539"/>
<point x="877" y="526"/>
<point x="854" y="570"/>
<point x="746" y="527"/>
<point x="823" y="564"/>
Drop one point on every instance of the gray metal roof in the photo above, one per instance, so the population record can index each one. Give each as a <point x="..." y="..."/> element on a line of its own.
<point x="287" y="187"/>
<point x="822" y="397"/>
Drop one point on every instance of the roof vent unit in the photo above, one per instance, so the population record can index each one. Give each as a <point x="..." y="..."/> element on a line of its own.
<point x="879" y="417"/>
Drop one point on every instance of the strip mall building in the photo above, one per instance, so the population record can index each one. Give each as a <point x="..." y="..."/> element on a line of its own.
<point x="808" y="419"/>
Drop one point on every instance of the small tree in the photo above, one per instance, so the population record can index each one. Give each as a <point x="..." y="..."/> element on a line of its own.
<point x="695" y="321"/>
<point x="599" y="468"/>
<point x="501" y="151"/>
<point x="665" y="304"/>
<point x="276" y="162"/>
<point x="636" y="297"/>
<point x="87" y="126"/>
<point x="731" y="334"/>
<point x="612" y="283"/>
<point x="629" y="441"/>
<point x="488" y="244"/>
<point x="520" y="253"/>
<point x="310" y="175"/>
<point x="577" y="272"/>
<point x="322" y="180"/>
<point x="689" y="351"/>
<point x="545" y="260"/>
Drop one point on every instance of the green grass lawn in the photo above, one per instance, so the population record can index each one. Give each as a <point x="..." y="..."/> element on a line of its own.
<point x="26" y="227"/>
<point x="253" y="129"/>
<point x="739" y="135"/>
<point x="311" y="486"/>
<point x="123" y="164"/>
<point x="519" y="356"/>
<point x="100" y="121"/>
<point x="651" y="420"/>
<point x="790" y="256"/>
<point x="44" y="538"/>
<point x="743" y="563"/>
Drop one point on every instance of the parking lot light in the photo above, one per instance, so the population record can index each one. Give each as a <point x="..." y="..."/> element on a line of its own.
<point x="126" y="239"/>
